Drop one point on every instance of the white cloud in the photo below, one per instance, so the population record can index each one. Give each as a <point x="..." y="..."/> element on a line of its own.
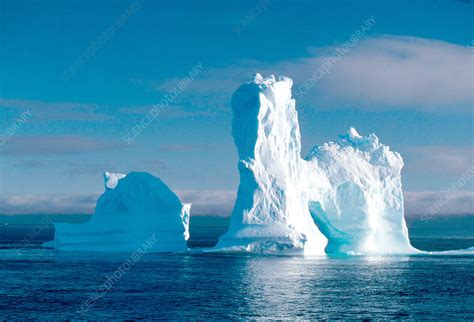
<point x="403" y="72"/>
<point x="221" y="202"/>
<point x="377" y="73"/>
<point x="418" y="203"/>
<point x="57" y="111"/>
<point x="48" y="204"/>
<point x="205" y="202"/>
<point x="445" y="159"/>
<point x="209" y="202"/>
<point x="54" y="145"/>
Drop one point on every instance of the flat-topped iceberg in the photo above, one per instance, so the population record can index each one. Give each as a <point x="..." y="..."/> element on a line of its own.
<point x="134" y="208"/>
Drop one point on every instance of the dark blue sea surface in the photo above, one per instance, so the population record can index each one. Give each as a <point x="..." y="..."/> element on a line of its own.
<point x="45" y="284"/>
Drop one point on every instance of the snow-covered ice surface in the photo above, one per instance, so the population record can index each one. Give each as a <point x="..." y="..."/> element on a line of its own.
<point x="271" y="212"/>
<point x="356" y="196"/>
<point x="134" y="208"/>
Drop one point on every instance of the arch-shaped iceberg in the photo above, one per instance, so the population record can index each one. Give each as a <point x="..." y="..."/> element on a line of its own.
<point x="358" y="203"/>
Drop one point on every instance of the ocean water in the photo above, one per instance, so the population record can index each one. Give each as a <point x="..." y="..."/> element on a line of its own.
<point x="45" y="284"/>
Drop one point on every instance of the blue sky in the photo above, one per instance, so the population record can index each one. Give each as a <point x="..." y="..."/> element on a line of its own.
<point x="409" y="80"/>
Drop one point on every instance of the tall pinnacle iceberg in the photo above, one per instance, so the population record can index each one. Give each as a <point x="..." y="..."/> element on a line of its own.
<point x="271" y="212"/>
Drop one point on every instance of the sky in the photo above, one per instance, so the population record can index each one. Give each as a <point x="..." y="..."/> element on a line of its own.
<point x="76" y="77"/>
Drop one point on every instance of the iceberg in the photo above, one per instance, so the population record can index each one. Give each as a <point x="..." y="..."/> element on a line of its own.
<point x="133" y="208"/>
<point x="344" y="197"/>
<point x="357" y="199"/>
<point x="271" y="213"/>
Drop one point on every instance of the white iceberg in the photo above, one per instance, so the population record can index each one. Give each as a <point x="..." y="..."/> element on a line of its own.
<point x="345" y="197"/>
<point x="271" y="211"/>
<point x="349" y="189"/>
<point x="356" y="196"/>
<point x="134" y="208"/>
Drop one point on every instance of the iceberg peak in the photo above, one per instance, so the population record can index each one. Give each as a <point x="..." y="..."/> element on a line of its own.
<point x="259" y="80"/>
<point x="353" y="134"/>
<point x="111" y="179"/>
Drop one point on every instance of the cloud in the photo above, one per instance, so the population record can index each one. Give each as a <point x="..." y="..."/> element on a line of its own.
<point x="59" y="111"/>
<point x="220" y="203"/>
<point x="210" y="93"/>
<point x="204" y="202"/>
<point x="403" y="72"/>
<point x="69" y="167"/>
<point x="55" y="145"/>
<point x="48" y="204"/>
<point x="381" y="72"/>
<point x="441" y="158"/>
<point x="418" y="203"/>
<point x="209" y="202"/>
<point x="169" y="112"/>
<point x="185" y="147"/>
<point x="83" y="166"/>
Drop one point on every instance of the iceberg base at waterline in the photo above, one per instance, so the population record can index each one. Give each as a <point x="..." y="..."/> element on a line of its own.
<point x="134" y="209"/>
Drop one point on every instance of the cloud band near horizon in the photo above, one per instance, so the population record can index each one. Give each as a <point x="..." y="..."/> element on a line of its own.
<point x="220" y="203"/>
